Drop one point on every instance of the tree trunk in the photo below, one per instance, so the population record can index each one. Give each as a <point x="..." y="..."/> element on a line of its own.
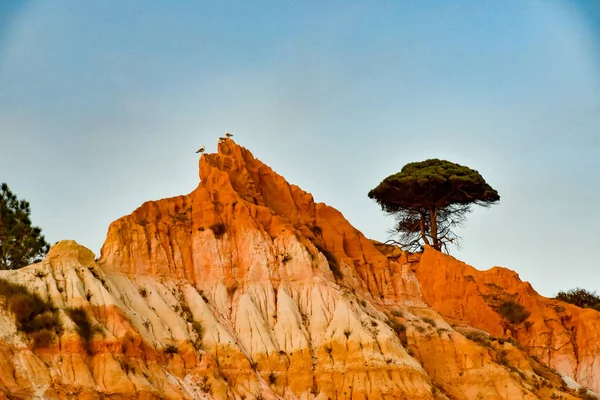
<point x="422" y="227"/>
<point x="433" y="233"/>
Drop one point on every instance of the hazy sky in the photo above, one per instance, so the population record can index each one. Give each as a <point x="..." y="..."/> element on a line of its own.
<point x="103" y="103"/>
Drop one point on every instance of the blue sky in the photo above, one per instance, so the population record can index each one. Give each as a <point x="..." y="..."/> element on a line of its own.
<point x="102" y="105"/>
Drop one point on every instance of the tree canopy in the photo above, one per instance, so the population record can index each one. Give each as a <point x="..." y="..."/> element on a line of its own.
<point x="21" y="243"/>
<point x="429" y="198"/>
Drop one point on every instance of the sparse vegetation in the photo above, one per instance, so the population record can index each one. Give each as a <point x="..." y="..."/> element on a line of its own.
<point x="428" y="321"/>
<point x="514" y="312"/>
<point x="39" y="274"/>
<point x="181" y="217"/>
<point x="127" y="366"/>
<point x="88" y="295"/>
<point x="272" y="378"/>
<point x="32" y="314"/>
<point x="143" y="291"/>
<point x="199" y="329"/>
<point x="584" y="394"/>
<point x="285" y="258"/>
<point x="84" y="325"/>
<point x="502" y="360"/>
<point x="171" y="349"/>
<point x="218" y="229"/>
<point x="397" y="313"/>
<point x="400" y="330"/>
<point x="479" y="337"/>
<point x="347" y="333"/>
<point x="580" y="297"/>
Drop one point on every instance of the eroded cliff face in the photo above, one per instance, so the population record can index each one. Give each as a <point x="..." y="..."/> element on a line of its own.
<point x="561" y="335"/>
<point x="248" y="289"/>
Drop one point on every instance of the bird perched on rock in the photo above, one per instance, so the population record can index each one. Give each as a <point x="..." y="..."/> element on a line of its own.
<point x="200" y="150"/>
<point x="228" y="134"/>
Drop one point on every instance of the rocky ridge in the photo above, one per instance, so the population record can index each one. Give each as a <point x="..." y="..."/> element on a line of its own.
<point x="248" y="289"/>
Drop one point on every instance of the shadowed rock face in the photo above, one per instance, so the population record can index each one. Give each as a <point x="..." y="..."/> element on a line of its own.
<point x="246" y="288"/>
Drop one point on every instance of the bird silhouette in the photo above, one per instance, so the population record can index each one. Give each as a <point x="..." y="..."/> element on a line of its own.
<point x="200" y="150"/>
<point x="228" y="134"/>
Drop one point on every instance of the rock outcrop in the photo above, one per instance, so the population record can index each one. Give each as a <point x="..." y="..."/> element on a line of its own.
<point x="561" y="335"/>
<point x="248" y="289"/>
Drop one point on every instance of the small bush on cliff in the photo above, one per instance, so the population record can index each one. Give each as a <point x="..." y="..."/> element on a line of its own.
<point x="171" y="349"/>
<point x="580" y="297"/>
<point x="400" y="330"/>
<point x="514" y="312"/>
<point x="218" y="229"/>
<point x="32" y="314"/>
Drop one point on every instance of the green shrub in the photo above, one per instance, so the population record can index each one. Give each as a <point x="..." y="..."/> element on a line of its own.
<point x="25" y="307"/>
<point x="218" y="229"/>
<point x="397" y="313"/>
<point x="580" y="297"/>
<point x="429" y="321"/>
<point x="33" y="315"/>
<point x="334" y="266"/>
<point x="514" y="312"/>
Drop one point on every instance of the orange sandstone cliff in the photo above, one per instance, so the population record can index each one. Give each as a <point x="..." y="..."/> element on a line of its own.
<point x="248" y="289"/>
